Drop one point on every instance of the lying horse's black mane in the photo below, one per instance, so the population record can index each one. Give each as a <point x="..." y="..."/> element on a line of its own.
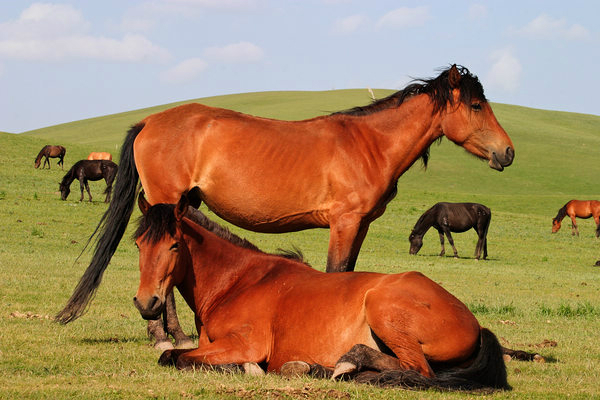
<point x="160" y="220"/>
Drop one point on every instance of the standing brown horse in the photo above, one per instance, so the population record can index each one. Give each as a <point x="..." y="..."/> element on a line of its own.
<point x="50" y="151"/>
<point x="579" y="209"/>
<point x="99" y="155"/>
<point x="253" y="307"/>
<point x="337" y="171"/>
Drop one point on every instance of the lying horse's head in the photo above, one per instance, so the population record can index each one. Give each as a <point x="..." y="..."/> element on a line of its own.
<point x="159" y="241"/>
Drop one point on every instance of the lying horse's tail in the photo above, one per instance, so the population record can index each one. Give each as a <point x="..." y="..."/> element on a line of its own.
<point x="39" y="157"/>
<point x="112" y="226"/>
<point x="487" y="371"/>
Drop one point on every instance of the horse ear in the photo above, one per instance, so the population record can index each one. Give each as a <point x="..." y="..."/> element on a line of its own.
<point x="454" y="77"/>
<point x="143" y="203"/>
<point x="181" y="207"/>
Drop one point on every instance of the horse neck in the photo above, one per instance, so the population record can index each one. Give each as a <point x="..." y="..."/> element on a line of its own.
<point x="69" y="177"/>
<point x="561" y="213"/>
<point x="404" y="132"/>
<point x="214" y="267"/>
<point x="423" y="223"/>
<point x="40" y="155"/>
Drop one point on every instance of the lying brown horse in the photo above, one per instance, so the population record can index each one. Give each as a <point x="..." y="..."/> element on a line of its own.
<point x="253" y="307"/>
<point x="337" y="171"/>
<point x="579" y="209"/>
<point x="50" y="151"/>
<point x="99" y="155"/>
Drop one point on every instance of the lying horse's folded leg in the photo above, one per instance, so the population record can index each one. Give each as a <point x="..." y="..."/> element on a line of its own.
<point x="182" y="341"/>
<point x="362" y="357"/>
<point x="156" y="330"/>
<point x="171" y="358"/>
<point x="522" y="355"/>
<point x="299" y="368"/>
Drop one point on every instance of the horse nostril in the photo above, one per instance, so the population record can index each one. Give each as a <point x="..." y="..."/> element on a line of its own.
<point x="153" y="302"/>
<point x="510" y="153"/>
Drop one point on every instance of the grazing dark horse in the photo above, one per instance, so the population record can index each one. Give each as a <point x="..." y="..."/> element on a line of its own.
<point x="99" y="155"/>
<point x="580" y="209"/>
<point x="89" y="170"/>
<point x="50" y="151"/>
<point x="265" y="309"/>
<point x="453" y="217"/>
<point x="337" y="171"/>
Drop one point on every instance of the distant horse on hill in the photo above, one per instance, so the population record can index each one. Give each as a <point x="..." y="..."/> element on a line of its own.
<point x="89" y="170"/>
<point x="99" y="155"/>
<point x="580" y="209"/>
<point x="50" y="151"/>
<point x="453" y="217"/>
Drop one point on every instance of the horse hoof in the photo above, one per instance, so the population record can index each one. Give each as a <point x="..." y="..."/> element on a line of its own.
<point x="597" y="263"/>
<point x="506" y="358"/>
<point x="294" y="368"/>
<point x="343" y="368"/>
<point x="163" y="345"/>
<point x="185" y="344"/>
<point x="252" y="369"/>
<point x="539" y="359"/>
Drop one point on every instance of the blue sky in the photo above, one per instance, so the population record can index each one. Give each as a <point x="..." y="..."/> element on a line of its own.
<point x="69" y="60"/>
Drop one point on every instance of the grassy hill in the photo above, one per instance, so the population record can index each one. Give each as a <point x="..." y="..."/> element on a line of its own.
<point x="535" y="286"/>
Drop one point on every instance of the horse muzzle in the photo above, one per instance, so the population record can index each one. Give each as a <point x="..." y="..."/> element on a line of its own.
<point x="501" y="161"/>
<point x="150" y="308"/>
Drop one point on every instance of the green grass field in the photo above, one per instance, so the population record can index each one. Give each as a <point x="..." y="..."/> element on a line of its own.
<point x="535" y="287"/>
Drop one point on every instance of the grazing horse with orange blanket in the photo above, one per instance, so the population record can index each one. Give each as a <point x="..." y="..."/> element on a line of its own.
<point x="580" y="209"/>
<point x="99" y="155"/>
<point x="337" y="171"/>
<point x="253" y="307"/>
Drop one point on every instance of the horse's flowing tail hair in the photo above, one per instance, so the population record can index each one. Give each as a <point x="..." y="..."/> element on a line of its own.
<point x="486" y="372"/>
<point x="111" y="227"/>
<point x="39" y="156"/>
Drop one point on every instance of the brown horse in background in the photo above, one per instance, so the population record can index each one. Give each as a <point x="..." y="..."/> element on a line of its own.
<point x="99" y="155"/>
<point x="50" y="151"/>
<point x="337" y="171"/>
<point x="89" y="170"/>
<point x="270" y="310"/>
<point x="580" y="209"/>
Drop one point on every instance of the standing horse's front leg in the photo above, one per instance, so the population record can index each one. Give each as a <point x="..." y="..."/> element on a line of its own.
<point x="442" y="243"/>
<point x="574" y="229"/>
<point x="451" y="241"/>
<point x="346" y="235"/>
<point x="81" y="187"/>
<point x="87" y="187"/>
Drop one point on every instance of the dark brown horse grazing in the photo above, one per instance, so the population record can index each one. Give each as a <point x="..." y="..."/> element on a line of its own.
<point x="580" y="209"/>
<point x="453" y="217"/>
<point x="253" y="307"/>
<point x="337" y="171"/>
<point x="99" y="155"/>
<point x="89" y="170"/>
<point x="49" y="151"/>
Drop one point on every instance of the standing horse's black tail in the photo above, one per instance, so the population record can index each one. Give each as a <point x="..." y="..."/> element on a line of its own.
<point x="487" y="371"/>
<point x="112" y="226"/>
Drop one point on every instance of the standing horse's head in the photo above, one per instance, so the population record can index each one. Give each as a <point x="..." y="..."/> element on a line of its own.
<point x="467" y="118"/>
<point x="64" y="190"/>
<point x="160" y="244"/>
<point x="555" y="225"/>
<point x="416" y="242"/>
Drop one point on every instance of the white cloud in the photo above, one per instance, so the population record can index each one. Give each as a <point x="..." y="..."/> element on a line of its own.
<point x="55" y="32"/>
<point x="185" y="71"/>
<point x="505" y="73"/>
<point x="242" y="52"/>
<point x="348" y="25"/>
<point x="546" y="27"/>
<point x="230" y="5"/>
<point x="404" y="17"/>
<point x="477" y="12"/>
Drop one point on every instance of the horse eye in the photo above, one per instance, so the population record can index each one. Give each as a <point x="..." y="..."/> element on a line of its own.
<point x="476" y="106"/>
<point x="175" y="247"/>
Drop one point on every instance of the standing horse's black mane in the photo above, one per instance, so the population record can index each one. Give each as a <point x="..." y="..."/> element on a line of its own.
<point x="561" y="214"/>
<point x="160" y="220"/>
<point x="438" y="89"/>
